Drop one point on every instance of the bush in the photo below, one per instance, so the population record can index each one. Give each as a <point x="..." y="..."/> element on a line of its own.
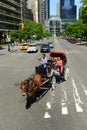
<point x="2" y="41"/>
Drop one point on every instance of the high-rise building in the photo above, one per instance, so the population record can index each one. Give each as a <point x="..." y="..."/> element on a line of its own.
<point x="43" y="10"/>
<point x="10" y="14"/>
<point x="58" y="9"/>
<point x="47" y="9"/>
<point x="33" y="5"/>
<point x="68" y="10"/>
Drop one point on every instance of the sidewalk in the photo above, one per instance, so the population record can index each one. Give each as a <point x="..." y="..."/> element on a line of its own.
<point x="82" y="43"/>
<point x="4" y="49"/>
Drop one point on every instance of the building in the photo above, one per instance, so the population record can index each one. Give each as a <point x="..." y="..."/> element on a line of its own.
<point x="47" y="10"/>
<point x="33" y="5"/>
<point x="26" y="13"/>
<point x="12" y="12"/>
<point x="41" y="11"/>
<point x="55" y="25"/>
<point x="58" y="9"/>
<point x="68" y="10"/>
<point x="10" y="15"/>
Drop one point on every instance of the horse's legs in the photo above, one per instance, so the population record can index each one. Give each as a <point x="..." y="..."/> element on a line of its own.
<point x="33" y="93"/>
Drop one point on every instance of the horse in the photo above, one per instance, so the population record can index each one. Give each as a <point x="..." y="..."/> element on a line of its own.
<point x="30" y="85"/>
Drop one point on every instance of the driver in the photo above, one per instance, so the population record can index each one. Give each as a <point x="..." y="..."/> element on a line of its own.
<point x="43" y="60"/>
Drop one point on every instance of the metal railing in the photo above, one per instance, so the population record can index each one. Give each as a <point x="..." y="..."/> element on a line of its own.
<point x="9" y="7"/>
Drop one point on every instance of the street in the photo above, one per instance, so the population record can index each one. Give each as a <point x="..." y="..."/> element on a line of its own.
<point x="65" y="108"/>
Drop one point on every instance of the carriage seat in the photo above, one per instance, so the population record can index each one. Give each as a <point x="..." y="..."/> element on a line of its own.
<point x="41" y="70"/>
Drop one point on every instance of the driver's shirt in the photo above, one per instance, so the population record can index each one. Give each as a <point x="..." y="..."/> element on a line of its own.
<point x="44" y="60"/>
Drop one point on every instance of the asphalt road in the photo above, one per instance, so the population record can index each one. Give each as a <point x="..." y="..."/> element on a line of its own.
<point x="65" y="108"/>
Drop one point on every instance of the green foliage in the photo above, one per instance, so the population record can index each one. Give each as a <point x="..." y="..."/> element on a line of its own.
<point x="2" y="41"/>
<point x="76" y="29"/>
<point x="79" y="28"/>
<point x="84" y="2"/>
<point x="30" y="28"/>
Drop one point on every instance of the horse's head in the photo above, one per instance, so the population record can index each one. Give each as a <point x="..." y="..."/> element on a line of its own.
<point x="24" y="86"/>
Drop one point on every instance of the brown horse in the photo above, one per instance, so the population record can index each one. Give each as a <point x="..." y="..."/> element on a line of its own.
<point x="30" y="85"/>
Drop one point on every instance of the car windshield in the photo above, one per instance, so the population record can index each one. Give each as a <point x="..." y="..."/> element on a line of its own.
<point x="24" y="45"/>
<point x="32" y="45"/>
<point x="45" y="45"/>
<point x="49" y="43"/>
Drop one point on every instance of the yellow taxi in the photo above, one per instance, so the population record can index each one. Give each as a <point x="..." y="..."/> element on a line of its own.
<point x="24" y="46"/>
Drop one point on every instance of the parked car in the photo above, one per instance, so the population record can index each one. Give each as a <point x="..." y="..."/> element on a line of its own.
<point x="45" y="48"/>
<point x="51" y="44"/>
<point x="24" y="46"/>
<point x="32" y="48"/>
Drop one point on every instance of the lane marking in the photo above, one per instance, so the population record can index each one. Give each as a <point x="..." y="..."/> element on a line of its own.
<point x="47" y="115"/>
<point x="77" y="99"/>
<point x="64" y="109"/>
<point x="48" y="105"/>
<point x="84" y="88"/>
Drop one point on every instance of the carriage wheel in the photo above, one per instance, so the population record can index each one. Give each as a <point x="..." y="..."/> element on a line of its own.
<point x="66" y="74"/>
<point x="53" y="82"/>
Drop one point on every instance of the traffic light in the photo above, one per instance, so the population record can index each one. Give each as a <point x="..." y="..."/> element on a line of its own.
<point x="21" y="25"/>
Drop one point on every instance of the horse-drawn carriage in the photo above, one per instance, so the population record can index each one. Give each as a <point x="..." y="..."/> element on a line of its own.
<point x="45" y="75"/>
<point x="51" y="73"/>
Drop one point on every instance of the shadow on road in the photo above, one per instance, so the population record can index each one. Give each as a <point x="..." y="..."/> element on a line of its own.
<point x="39" y="95"/>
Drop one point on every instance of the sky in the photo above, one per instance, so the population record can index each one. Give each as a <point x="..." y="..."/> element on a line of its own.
<point x="53" y="6"/>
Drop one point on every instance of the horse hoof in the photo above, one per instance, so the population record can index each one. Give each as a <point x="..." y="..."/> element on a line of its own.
<point x="53" y="88"/>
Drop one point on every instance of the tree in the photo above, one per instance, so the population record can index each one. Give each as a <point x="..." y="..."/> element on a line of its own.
<point x="84" y="2"/>
<point x="29" y="29"/>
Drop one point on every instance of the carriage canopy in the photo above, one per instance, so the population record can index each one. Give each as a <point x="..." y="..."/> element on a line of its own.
<point x="58" y="54"/>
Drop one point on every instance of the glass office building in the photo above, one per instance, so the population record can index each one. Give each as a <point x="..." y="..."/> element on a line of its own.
<point x="68" y="9"/>
<point x="47" y="9"/>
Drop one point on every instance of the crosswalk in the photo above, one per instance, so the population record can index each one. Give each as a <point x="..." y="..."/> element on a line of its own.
<point x="18" y="53"/>
<point x="76" y="100"/>
<point x="67" y="52"/>
<point x="75" y="51"/>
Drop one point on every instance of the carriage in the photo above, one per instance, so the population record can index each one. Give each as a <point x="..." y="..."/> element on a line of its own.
<point x="45" y="75"/>
<point x="50" y="72"/>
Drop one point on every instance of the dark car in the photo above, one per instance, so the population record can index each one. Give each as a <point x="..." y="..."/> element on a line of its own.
<point x="45" y="48"/>
<point x="51" y="44"/>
